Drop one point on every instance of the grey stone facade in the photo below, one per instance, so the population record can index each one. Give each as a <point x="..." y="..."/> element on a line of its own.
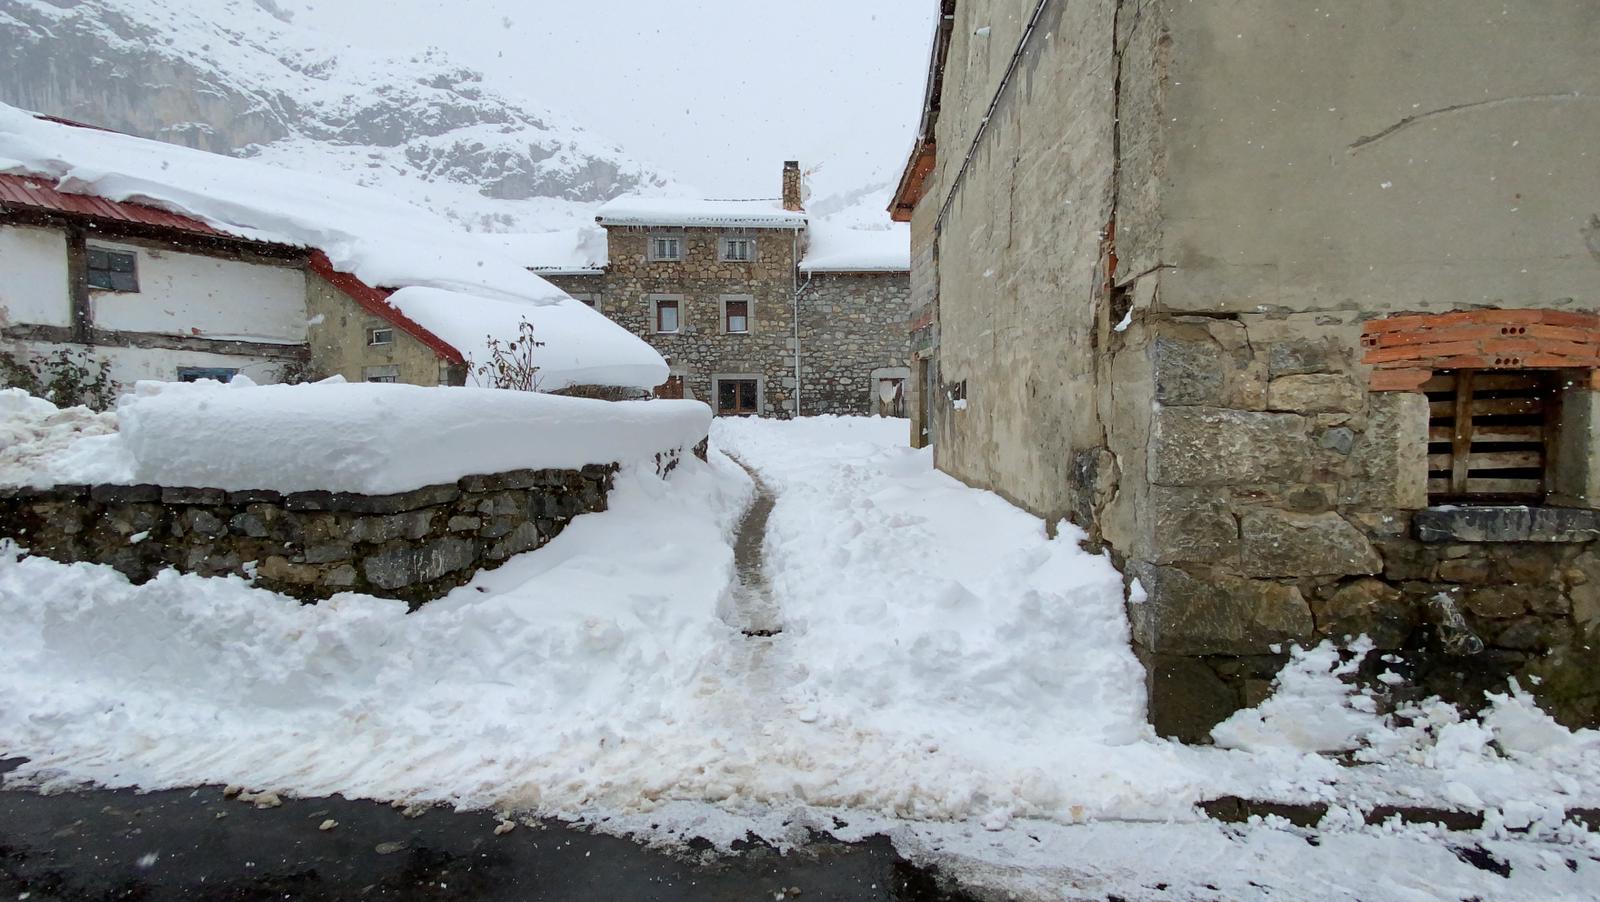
<point x="851" y="324"/>
<point x="414" y="546"/>
<point x="1148" y="292"/>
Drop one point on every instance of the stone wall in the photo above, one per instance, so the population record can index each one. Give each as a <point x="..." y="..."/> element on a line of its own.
<point x="700" y="350"/>
<point x="1268" y="498"/>
<point x="338" y="336"/>
<point x="851" y="325"/>
<point x="414" y="546"/>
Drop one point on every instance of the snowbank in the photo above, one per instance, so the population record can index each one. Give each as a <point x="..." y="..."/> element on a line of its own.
<point x="672" y="211"/>
<point x="360" y="437"/>
<point x="384" y="242"/>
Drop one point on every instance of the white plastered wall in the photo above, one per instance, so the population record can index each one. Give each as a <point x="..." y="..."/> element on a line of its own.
<point x="33" y="277"/>
<point x="208" y="297"/>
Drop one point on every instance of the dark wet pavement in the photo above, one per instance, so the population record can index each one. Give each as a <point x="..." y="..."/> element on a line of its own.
<point x="196" y="844"/>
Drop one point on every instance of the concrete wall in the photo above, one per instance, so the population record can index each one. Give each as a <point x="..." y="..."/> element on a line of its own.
<point x="1374" y="156"/>
<point x="338" y="337"/>
<point x="208" y="297"/>
<point x="34" y="289"/>
<point x="1019" y="286"/>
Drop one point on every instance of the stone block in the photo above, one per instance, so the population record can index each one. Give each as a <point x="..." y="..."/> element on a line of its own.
<point x="1285" y="543"/>
<point x="1507" y="524"/>
<point x="377" y="530"/>
<point x="212" y="497"/>
<point x="402" y="566"/>
<point x="1523" y="634"/>
<point x="255" y="496"/>
<point x="327" y="552"/>
<point x="1366" y="607"/>
<point x="1191" y="525"/>
<point x="1218" y="446"/>
<point x="1188" y="369"/>
<point x="525" y="537"/>
<point x="499" y="482"/>
<point x="1499" y="602"/>
<point x="463" y="523"/>
<point x="1316" y="393"/>
<point x="1186" y="697"/>
<point x="280" y="569"/>
<point x="1339" y="440"/>
<point x="203" y="523"/>
<point x="1294" y="357"/>
<point x="1389" y="459"/>
<point x="1464" y="570"/>
<point x="125" y="494"/>
<point x="248" y="524"/>
<point x="1211" y="612"/>
<point x="340" y="577"/>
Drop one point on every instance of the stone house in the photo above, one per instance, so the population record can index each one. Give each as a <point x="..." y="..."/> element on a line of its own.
<point x="1294" y="311"/>
<point x="757" y="308"/>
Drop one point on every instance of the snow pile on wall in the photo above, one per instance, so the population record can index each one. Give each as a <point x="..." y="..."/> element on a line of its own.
<point x="361" y="437"/>
<point x="43" y="445"/>
<point x="568" y="251"/>
<point x="687" y="212"/>
<point x="384" y="242"/>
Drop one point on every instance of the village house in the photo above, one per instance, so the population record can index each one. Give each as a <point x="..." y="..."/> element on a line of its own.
<point x="163" y="296"/>
<point x="1294" y="311"/>
<point x="758" y="308"/>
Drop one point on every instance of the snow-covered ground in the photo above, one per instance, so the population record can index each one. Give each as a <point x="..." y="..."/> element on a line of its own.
<point x="946" y="673"/>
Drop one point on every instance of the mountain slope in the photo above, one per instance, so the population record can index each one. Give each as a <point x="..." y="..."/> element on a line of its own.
<point x="238" y="76"/>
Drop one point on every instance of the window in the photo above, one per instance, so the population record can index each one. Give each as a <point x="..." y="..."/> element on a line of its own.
<point x="737" y="397"/>
<point x="666" y="315"/>
<point x="587" y="299"/>
<point x="196" y="373"/>
<point x="1488" y="432"/>
<point x="666" y="248"/>
<point x="737" y="250"/>
<point x="113" y="270"/>
<point x="381" y="373"/>
<point x="380" y="337"/>
<point x="736" y="316"/>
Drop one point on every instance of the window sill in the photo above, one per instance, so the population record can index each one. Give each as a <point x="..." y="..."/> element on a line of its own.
<point x="1506" y="523"/>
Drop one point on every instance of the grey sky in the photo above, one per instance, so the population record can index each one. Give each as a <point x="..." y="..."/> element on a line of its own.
<point x="717" y="92"/>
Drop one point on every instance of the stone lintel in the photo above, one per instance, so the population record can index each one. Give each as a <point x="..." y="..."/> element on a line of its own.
<point x="1515" y="523"/>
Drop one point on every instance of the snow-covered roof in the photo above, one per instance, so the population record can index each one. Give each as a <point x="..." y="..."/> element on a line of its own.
<point x="836" y="247"/>
<point x="474" y="290"/>
<point x="631" y="210"/>
<point x="570" y="252"/>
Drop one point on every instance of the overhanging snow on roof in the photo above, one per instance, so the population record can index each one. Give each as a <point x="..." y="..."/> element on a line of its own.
<point x="692" y="213"/>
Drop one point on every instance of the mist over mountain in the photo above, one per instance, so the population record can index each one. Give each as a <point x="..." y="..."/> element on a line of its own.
<point x="242" y="77"/>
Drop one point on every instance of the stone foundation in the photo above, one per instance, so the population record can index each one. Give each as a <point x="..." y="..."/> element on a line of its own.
<point x="1269" y="499"/>
<point x="414" y="546"/>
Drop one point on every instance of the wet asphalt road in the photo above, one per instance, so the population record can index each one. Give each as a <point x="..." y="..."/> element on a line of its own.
<point x="197" y="845"/>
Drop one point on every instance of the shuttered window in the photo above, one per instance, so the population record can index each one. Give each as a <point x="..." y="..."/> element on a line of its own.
<point x="1490" y="434"/>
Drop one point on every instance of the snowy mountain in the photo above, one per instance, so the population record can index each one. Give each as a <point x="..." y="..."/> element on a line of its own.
<point x="241" y="77"/>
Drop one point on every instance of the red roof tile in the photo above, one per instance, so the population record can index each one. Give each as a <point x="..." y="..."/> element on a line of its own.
<point x="42" y="194"/>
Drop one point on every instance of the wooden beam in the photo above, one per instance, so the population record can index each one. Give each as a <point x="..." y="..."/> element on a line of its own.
<point x="118" y="338"/>
<point x="1461" y="442"/>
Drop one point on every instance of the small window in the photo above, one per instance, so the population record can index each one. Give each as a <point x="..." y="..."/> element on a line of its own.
<point x="587" y="299"/>
<point x="113" y="270"/>
<point x="736" y="317"/>
<point x="738" y="250"/>
<point x="666" y="316"/>
<point x="380" y="337"/>
<point x="197" y="373"/>
<point x="666" y="248"/>
<point x="381" y="373"/>
<point x="1487" y="434"/>
<point x="736" y="397"/>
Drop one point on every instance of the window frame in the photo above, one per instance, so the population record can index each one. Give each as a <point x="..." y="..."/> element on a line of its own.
<point x="132" y="271"/>
<point x="749" y="320"/>
<point x="656" y="303"/>
<point x="725" y="242"/>
<point x="651" y="254"/>
<point x="382" y="374"/>
<point x="198" y="373"/>
<point x="372" y="336"/>
<point x="757" y="394"/>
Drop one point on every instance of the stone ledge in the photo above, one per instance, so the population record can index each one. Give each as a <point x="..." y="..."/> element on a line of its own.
<point x="1507" y="524"/>
<point x="1235" y="810"/>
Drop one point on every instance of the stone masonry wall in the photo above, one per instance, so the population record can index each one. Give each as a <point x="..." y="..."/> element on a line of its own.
<point x="700" y="350"/>
<point x="1267" y="498"/>
<point x="414" y="546"/>
<point x="850" y="325"/>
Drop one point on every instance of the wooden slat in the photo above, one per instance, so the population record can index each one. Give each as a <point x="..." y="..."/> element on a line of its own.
<point x="1477" y="486"/>
<point x="1505" y="460"/>
<point x="1461" y="441"/>
<point x="1487" y="407"/>
<point x="1441" y="382"/>
<point x="1492" y="381"/>
<point x="1439" y="486"/>
<point x="1490" y="433"/>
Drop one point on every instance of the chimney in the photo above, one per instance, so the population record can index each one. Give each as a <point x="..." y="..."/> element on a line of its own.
<point x="791" y="186"/>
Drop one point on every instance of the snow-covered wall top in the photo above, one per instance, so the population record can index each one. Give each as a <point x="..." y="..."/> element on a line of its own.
<point x="833" y="247"/>
<point x="369" y="438"/>
<point x="566" y="252"/>
<point x="475" y="291"/>
<point x="687" y="212"/>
